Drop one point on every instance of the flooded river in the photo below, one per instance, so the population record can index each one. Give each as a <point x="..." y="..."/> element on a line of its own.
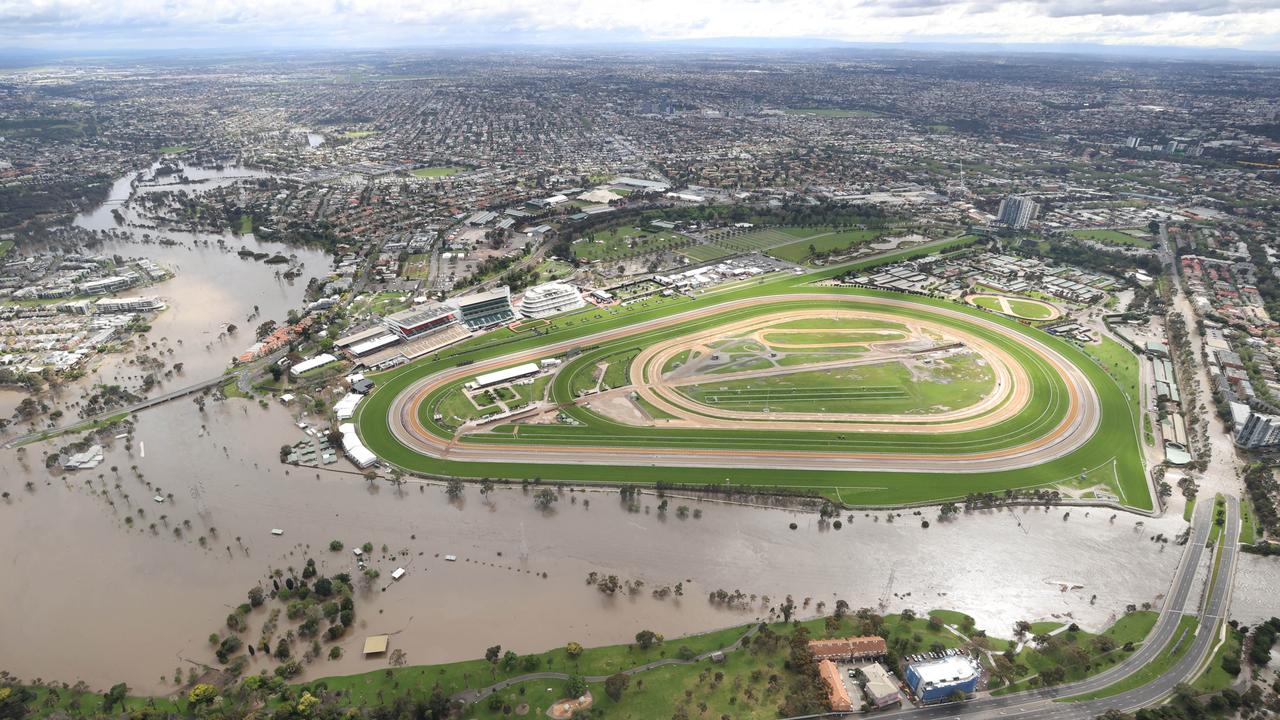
<point x="133" y="604"/>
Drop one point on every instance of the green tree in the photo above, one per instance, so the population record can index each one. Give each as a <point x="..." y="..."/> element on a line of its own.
<point x="573" y="650"/>
<point x="114" y="697"/>
<point x="202" y="694"/>
<point x="576" y="686"/>
<point x="615" y="684"/>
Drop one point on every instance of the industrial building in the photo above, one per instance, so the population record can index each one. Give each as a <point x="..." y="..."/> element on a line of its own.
<point x="484" y="309"/>
<point x="936" y="680"/>
<point x="550" y="299"/>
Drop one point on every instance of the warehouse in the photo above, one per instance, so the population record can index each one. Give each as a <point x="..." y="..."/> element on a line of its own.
<point x="937" y="680"/>
<point x="501" y="376"/>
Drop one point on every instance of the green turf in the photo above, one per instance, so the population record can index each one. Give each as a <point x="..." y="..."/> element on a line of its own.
<point x="1113" y="449"/>
<point x="827" y="338"/>
<point x="881" y="388"/>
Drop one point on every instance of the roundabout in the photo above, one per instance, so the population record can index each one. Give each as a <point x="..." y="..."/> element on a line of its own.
<point x="868" y="396"/>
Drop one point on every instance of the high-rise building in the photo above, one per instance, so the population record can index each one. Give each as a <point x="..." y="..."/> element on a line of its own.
<point x="1017" y="211"/>
<point x="1259" y="431"/>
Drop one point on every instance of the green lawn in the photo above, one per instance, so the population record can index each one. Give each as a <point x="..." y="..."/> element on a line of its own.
<point x="801" y="250"/>
<point x="357" y="134"/>
<point x="1189" y="511"/>
<point x="625" y="241"/>
<point x="1215" y="677"/>
<point x="1248" y="530"/>
<point x="1140" y="239"/>
<point x="1080" y="653"/>
<point x="5" y="247"/>
<point x="1183" y="639"/>
<point x="1121" y="364"/>
<point x="246" y="224"/>
<point x="439" y="171"/>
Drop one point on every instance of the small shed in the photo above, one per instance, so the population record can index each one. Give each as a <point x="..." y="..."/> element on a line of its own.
<point x="375" y="644"/>
<point x="398" y="573"/>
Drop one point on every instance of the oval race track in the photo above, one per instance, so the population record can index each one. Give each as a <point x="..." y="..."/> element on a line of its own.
<point x="1075" y="429"/>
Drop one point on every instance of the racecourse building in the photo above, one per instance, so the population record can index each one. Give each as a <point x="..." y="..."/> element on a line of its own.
<point x="420" y="320"/>
<point x="550" y="299"/>
<point x="484" y="309"/>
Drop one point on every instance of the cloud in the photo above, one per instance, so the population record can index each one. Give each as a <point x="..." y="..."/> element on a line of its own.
<point x="362" y="23"/>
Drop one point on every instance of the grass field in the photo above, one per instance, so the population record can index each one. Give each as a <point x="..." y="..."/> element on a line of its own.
<point x="1183" y="638"/>
<point x="357" y="134"/>
<point x="5" y="247"/>
<point x="1140" y="238"/>
<point x="1018" y="307"/>
<point x="1081" y="653"/>
<point x="1248" y="529"/>
<point x="828" y="241"/>
<point x="438" y="171"/>
<point x="884" y="388"/>
<point x="1115" y="447"/>
<point x="624" y="242"/>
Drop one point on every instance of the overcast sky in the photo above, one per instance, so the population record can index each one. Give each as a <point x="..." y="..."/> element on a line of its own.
<point x="140" y="24"/>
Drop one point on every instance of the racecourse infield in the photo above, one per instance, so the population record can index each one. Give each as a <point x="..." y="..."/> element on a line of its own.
<point x="1064" y="423"/>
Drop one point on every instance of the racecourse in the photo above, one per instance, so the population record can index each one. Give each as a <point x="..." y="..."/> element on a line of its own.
<point x="1063" y="417"/>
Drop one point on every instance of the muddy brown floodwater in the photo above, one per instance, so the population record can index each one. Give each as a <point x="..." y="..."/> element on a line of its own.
<point x="88" y="597"/>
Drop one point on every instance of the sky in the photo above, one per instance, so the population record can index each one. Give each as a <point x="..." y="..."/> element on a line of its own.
<point x="66" y="25"/>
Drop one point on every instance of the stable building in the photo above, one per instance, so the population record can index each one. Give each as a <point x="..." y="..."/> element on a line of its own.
<point x="500" y="376"/>
<point x="550" y="299"/>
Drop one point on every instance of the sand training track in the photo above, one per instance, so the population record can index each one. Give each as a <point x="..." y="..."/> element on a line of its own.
<point x="1075" y="429"/>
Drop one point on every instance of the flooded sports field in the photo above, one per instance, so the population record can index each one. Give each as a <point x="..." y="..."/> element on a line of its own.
<point x="97" y="599"/>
